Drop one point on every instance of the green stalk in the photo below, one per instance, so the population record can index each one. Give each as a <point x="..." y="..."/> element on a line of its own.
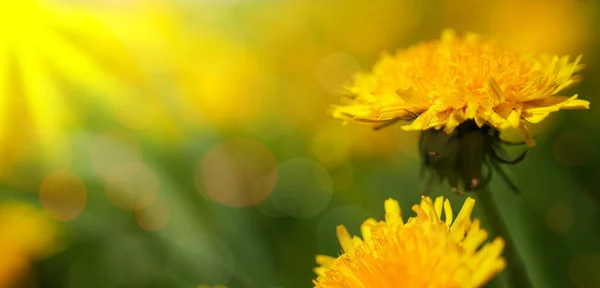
<point x="516" y="272"/>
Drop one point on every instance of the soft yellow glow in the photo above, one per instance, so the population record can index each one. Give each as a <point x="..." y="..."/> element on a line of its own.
<point x="46" y="45"/>
<point x="424" y="251"/>
<point x="556" y="26"/>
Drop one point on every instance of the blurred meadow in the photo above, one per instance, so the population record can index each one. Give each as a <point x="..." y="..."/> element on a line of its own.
<point x="183" y="143"/>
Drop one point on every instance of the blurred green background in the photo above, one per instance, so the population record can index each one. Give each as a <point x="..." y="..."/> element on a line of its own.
<point x="196" y="149"/>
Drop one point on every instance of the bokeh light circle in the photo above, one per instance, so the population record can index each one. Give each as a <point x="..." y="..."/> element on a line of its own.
<point x="131" y="185"/>
<point x="583" y="270"/>
<point x="335" y="70"/>
<point x="62" y="195"/>
<point x="238" y="172"/>
<point x="154" y="215"/>
<point x="573" y="148"/>
<point x="560" y="218"/>
<point x="304" y="188"/>
<point x="112" y="148"/>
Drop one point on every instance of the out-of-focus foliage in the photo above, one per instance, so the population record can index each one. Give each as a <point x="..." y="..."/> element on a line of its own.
<point x="185" y="143"/>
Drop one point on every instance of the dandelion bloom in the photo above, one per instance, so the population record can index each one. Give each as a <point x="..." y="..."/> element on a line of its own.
<point x="424" y="251"/>
<point x="443" y="83"/>
<point x="26" y="235"/>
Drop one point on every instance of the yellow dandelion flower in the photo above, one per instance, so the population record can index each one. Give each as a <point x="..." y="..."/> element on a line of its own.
<point x="424" y="251"/>
<point x="26" y="235"/>
<point x="443" y="83"/>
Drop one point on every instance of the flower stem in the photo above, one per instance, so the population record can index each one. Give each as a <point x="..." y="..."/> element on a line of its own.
<point x="516" y="273"/>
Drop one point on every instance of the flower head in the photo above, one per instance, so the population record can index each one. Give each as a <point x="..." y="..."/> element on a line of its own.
<point x="424" y="251"/>
<point x="442" y="83"/>
<point x="26" y="235"/>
